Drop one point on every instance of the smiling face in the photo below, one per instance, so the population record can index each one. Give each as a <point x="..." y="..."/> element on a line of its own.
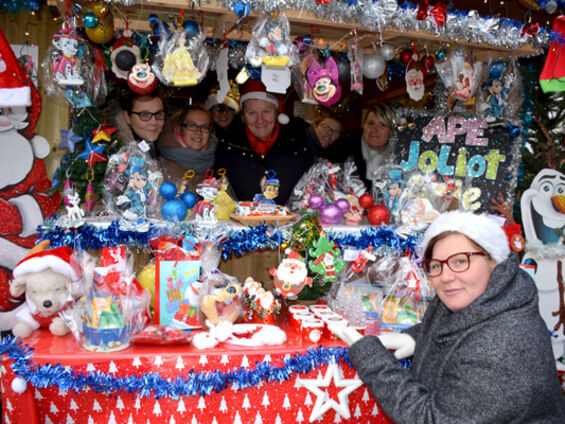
<point x="146" y="130"/>
<point x="222" y="115"/>
<point x="324" y="89"/>
<point x="138" y="181"/>
<point x="327" y="131"/>
<point x="376" y="133"/>
<point x="457" y="290"/>
<point x="260" y="117"/>
<point x="193" y="132"/>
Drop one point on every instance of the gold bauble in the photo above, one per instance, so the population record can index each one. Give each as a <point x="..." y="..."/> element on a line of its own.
<point x="104" y="31"/>
<point x="147" y="280"/>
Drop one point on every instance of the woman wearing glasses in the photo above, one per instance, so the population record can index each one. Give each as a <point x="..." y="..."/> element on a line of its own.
<point x="373" y="147"/>
<point x="141" y="117"/>
<point x="325" y="134"/>
<point x="482" y="352"/>
<point x="189" y="144"/>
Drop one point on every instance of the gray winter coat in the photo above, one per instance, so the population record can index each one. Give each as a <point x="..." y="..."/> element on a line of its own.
<point x="489" y="363"/>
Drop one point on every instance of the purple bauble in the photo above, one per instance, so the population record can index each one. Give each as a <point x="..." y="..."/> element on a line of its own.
<point x="315" y="201"/>
<point x="300" y="45"/>
<point x="330" y="214"/>
<point x="343" y="205"/>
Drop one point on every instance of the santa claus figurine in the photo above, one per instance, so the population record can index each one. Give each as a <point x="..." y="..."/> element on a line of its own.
<point x="23" y="179"/>
<point x="291" y="275"/>
<point x="415" y="81"/>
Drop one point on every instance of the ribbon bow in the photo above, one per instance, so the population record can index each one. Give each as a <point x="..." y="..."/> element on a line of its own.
<point x="530" y="30"/>
<point x="439" y="11"/>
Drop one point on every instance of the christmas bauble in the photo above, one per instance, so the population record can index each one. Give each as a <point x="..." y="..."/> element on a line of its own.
<point x="146" y="278"/>
<point x="441" y="54"/>
<point x="315" y="201"/>
<point x="496" y="69"/>
<point x="387" y="52"/>
<point x="300" y="45"/>
<point x="406" y="56"/>
<point x="190" y="27"/>
<point x="189" y="198"/>
<point x="330" y="214"/>
<point x="241" y="9"/>
<point x="366" y="201"/>
<point x="90" y="20"/>
<point x="168" y="190"/>
<point x="343" y="69"/>
<point x="343" y="205"/>
<point x="373" y="66"/>
<point x="429" y="62"/>
<point x="551" y="6"/>
<point x="174" y="210"/>
<point x="378" y="214"/>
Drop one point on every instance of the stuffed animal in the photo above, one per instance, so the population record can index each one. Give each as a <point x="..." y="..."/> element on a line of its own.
<point x="46" y="277"/>
<point x="220" y="300"/>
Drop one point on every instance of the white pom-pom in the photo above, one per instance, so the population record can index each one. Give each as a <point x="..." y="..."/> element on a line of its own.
<point x="19" y="385"/>
<point x="283" y="119"/>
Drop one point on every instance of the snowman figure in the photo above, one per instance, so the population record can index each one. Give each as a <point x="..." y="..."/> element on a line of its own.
<point x="543" y="219"/>
<point x="23" y="179"/>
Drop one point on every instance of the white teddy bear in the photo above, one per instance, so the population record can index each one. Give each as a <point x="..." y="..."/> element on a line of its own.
<point x="47" y="279"/>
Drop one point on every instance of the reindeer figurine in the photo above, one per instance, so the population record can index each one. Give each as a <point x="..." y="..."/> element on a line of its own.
<point x="74" y="212"/>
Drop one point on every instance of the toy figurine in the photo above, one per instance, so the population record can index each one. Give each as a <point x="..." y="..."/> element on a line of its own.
<point x="394" y="190"/>
<point x="65" y="60"/>
<point x="224" y="204"/>
<point x="273" y="41"/>
<point x="496" y="103"/>
<point x="178" y="67"/>
<point x="137" y="189"/>
<point x="270" y="186"/>
<point x="324" y="81"/>
<point x="204" y="211"/>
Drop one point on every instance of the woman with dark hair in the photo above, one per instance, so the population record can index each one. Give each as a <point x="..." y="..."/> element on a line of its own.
<point x="325" y="135"/>
<point x="482" y="353"/>
<point x="188" y="143"/>
<point x="374" y="148"/>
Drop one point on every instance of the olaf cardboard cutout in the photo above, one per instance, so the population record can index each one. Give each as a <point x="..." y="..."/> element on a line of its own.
<point x="543" y="218"/>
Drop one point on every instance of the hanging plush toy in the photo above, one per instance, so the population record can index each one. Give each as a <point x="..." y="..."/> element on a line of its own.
<point x="65" y="59"/>
<point x="270" y="43"/>
<point x="141" y="79"/>
<point x="325" y="82"/>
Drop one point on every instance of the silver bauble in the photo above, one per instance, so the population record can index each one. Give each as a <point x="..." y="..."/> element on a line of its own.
<point x="551" y="6"/>
<point x="343" y="69"/>
<point x="373" y="66"/>
<point x="387" y="52"/>
<point x="388" y="5"/>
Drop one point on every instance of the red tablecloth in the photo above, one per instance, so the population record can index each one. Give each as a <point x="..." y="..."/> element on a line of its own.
<point x="331" y="393"/>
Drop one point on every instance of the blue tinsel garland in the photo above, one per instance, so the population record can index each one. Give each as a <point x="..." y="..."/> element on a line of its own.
<point x="152" y="384"/>
<point x="238" y="242"/>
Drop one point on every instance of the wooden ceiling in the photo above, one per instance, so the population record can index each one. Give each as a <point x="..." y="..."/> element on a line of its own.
<point x="216" y="19"/>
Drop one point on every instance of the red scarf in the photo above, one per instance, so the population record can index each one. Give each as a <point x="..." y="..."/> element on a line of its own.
<point x="263" y="146"/>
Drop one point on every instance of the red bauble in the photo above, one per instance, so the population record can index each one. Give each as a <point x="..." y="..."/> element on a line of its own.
<point x="406" y="56"/>
<point x="366" y="201"/>
<point x="429" y="62"/>
<point x="379" y="214"/>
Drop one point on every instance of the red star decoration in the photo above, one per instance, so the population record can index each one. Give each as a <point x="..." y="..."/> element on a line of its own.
<point x="94" y="158"/>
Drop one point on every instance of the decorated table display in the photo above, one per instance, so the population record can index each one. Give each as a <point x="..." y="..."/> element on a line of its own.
<point x="294" y="382"/>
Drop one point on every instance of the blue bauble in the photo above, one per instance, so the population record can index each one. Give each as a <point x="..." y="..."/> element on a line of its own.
<point x="496" y="69"/>
<point x="174" y="210"/>
<point x="90" y="20"/>
<point x="168" y="190"/>
<point x="513" y="131"/>
<point x="189" y="198"/>
<point x="190" y="27"/>
<point x="153" y="19"/>
<point x="307" y="39"/>
<point x="241" y="9"/>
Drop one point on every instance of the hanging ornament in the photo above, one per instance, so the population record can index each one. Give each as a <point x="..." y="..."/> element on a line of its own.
<point x="90" y="20"/>
<point x="552" y="76"/>
<point x="103" y="32"/>
<point x="373" y="66"/>
<point x="382" y="81"/>
<point x="328" y="261"/>
<point x="90" y="196"/>
<point x="68" y="189"/>
<point x="551" y="6"/>
<point x="324" y="81"/>
<point x="441" y="54"/>
<point x="355" y="55"/>
<point x="191" y="28"/>
<point x="125" y="55"/>
<point x="387" y="52"/>
<point x="291" y="275"/>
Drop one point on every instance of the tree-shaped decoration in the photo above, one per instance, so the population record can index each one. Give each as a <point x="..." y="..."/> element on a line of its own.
<point x="327" y="258"/>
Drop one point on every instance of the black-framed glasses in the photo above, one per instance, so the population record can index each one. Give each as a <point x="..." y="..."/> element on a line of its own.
<point x="192" y="126"/>
<point x="329" y="129"/>
<point x="223" y="108"/>
<point x="146" y="116"/>
<point x="458" y="262"/>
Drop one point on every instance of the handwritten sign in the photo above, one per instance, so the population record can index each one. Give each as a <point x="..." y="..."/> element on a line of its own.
<point x="481" y="161"/>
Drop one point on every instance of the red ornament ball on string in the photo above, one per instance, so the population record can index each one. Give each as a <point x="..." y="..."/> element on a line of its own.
<point x="405" y="56"/>
<point x="378" y="214"/>
<point x="429" y="62"/>
<point x="366" y="201"/>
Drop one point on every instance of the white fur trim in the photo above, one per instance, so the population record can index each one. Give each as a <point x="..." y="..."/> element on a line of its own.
<point x="41" y="263"/>
<point x="19" y="96"/>
<point x="480" y="228"/>
<point x="259" y="95"/>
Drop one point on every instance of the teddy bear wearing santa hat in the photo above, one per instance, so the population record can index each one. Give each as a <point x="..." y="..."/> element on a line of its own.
<point x="23" y="178"/>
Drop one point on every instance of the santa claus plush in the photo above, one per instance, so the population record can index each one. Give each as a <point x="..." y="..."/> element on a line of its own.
<point x="291" y="275"/>
<point x="23" y="179"/>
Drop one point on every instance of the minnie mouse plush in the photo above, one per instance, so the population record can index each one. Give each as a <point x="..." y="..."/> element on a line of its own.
<point x="324" y="82"/>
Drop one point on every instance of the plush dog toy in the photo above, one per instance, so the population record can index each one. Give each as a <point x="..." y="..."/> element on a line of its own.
<point x="46" y="277"/>
<point x="221" y="300"/>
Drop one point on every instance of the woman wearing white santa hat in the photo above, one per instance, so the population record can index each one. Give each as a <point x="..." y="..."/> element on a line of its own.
<point x="482" y="353"/>
<point x="270" y="141"/>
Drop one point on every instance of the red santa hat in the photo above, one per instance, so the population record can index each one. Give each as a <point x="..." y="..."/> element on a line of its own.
<point x="60" y="260"/>
<point x="16" y="87"/>
<point x="254" y="89"/>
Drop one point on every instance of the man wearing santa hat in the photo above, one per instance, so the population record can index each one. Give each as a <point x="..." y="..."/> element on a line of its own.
<point x="270" y="141"/>
<point x="23" y="179"/>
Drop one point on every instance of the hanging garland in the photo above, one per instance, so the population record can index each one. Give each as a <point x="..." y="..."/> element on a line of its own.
<point x="238" y="242"/>
<point x="195" y="383"/>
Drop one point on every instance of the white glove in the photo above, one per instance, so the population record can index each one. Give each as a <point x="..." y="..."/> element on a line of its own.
<point x="348" y="334"/>
<point x="402" y="344"/>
